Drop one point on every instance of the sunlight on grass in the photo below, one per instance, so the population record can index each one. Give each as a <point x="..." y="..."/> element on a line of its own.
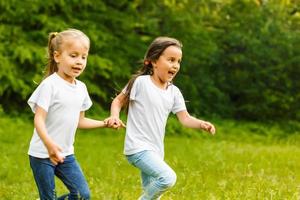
<point x="227" y="166"/>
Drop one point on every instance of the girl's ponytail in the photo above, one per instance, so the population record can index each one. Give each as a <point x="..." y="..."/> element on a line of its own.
<point x="146" y="69"/>
<point x="52" y="46"/>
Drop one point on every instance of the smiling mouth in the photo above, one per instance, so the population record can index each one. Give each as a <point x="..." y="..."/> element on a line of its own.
<point x="172" y="73"/>
<point x="76" y="68"/>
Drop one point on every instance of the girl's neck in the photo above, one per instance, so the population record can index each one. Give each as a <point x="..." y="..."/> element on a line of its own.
<point x="158" y="82"/>
<point x="67" y="78"/>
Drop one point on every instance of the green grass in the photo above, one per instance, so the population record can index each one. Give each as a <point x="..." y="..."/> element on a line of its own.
<point x="243" y="161"/>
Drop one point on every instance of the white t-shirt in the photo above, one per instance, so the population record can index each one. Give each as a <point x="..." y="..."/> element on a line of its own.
<point x="63" y="102"/>
<point x="148" y="112"/>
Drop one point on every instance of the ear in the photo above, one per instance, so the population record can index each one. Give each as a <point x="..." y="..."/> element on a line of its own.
<point x="56" y="56"/>
<point x="153" y="63"/>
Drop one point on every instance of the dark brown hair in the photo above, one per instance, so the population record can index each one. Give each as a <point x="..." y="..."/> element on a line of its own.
<point x="156" y="48"/>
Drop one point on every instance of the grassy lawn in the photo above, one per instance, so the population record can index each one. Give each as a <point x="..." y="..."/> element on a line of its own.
<point x="241" y="162"/>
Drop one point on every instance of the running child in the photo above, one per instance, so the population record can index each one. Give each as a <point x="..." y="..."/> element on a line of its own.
<point x="150" y="96"/>
<point x="59" y="104"/>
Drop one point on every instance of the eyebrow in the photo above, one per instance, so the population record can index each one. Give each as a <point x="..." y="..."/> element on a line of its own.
<point x="172" y="57"/>
<point x="76" y="52"/>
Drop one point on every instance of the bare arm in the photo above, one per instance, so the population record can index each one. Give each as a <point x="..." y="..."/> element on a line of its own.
<point x="87" y="123"/>
<point x="192" y="122"/>
<point x="117" y="105"/>
<point x="115" y="109"/>
<point x="54" y="150"/>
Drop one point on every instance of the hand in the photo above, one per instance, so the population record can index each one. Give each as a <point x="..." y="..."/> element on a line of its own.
<point x="208" y="127"/>
<point x="114" y="122"/>
<point x="55" y="154"/>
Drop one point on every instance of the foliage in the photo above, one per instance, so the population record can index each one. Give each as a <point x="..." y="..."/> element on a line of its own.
<point x="240" y="56"/>
<point x="260" y="65"/>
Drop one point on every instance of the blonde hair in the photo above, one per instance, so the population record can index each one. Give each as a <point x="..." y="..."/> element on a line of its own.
<point x="55" y="41"/>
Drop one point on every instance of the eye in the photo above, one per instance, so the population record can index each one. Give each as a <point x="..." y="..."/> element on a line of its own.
<point x="172" y="59"/>
<point x="73" y="55"/>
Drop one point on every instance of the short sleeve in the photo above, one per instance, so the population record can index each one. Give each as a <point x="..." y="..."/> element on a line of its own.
<point x="179" y="103"/>
<point x="134" y="89"/>
<point x="87" y="102"/>
<point x="41" y="97"/>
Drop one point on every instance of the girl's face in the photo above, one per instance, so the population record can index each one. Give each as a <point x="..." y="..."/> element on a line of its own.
<point x="166" y="66"/>
<point x="72" y="58"/>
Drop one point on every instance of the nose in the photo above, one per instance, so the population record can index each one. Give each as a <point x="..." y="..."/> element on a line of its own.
<point x="79" y="61"/>
<point x="176" y="66"/>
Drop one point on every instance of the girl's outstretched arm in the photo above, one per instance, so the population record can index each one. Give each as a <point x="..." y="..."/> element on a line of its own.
<point x="192" y="122"/>
<point x="115" y="109"/>
<point x="87" y="123"/>
<point x="54" y="150"/>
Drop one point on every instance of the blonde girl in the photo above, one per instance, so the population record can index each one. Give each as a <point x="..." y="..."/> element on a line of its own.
<point x="59" y="104"/>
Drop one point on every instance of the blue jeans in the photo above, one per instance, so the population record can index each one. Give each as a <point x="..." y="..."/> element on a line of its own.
<point x="69" y="172"/>
<point x="157" y="176"/>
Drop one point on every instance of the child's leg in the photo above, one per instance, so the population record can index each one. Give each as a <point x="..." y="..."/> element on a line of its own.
<point x="71" y="175"/>
<point x="43" y="172"/>
<point x="146" y="179"/>
<point x="157" y="176"/>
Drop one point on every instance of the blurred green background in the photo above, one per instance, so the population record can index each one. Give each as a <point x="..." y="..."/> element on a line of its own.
<point x="240" y="57"/>
<point x="240" y="71"/>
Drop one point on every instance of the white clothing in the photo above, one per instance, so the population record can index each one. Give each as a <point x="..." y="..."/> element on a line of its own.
<point x="63" y="103"/>
<point x="148" y="112"/>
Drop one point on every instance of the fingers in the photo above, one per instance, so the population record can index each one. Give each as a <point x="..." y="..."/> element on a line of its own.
<point x="114" y="122"/>
<point x="119" y="124"/>
<point x="60" y="157"/>
<point x="212" y="130"/>
<point x="122" y="124"/>
<point x="209" y="127"/>
<point x="57" y="157"/>
<point x="110" y="121"/>
<point x="53" y="161"/>
<point x="105" y="122"/>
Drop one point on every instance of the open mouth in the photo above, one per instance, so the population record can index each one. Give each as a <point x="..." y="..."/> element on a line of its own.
<point x="172" y="73"/>
<point x="76" y="68"/>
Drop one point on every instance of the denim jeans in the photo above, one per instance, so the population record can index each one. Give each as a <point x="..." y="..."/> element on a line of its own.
<point x="69" y="172"/>
<point x="157" y="176"/>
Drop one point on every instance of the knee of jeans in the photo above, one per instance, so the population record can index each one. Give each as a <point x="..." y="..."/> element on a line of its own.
<point x="168" y="179"/>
